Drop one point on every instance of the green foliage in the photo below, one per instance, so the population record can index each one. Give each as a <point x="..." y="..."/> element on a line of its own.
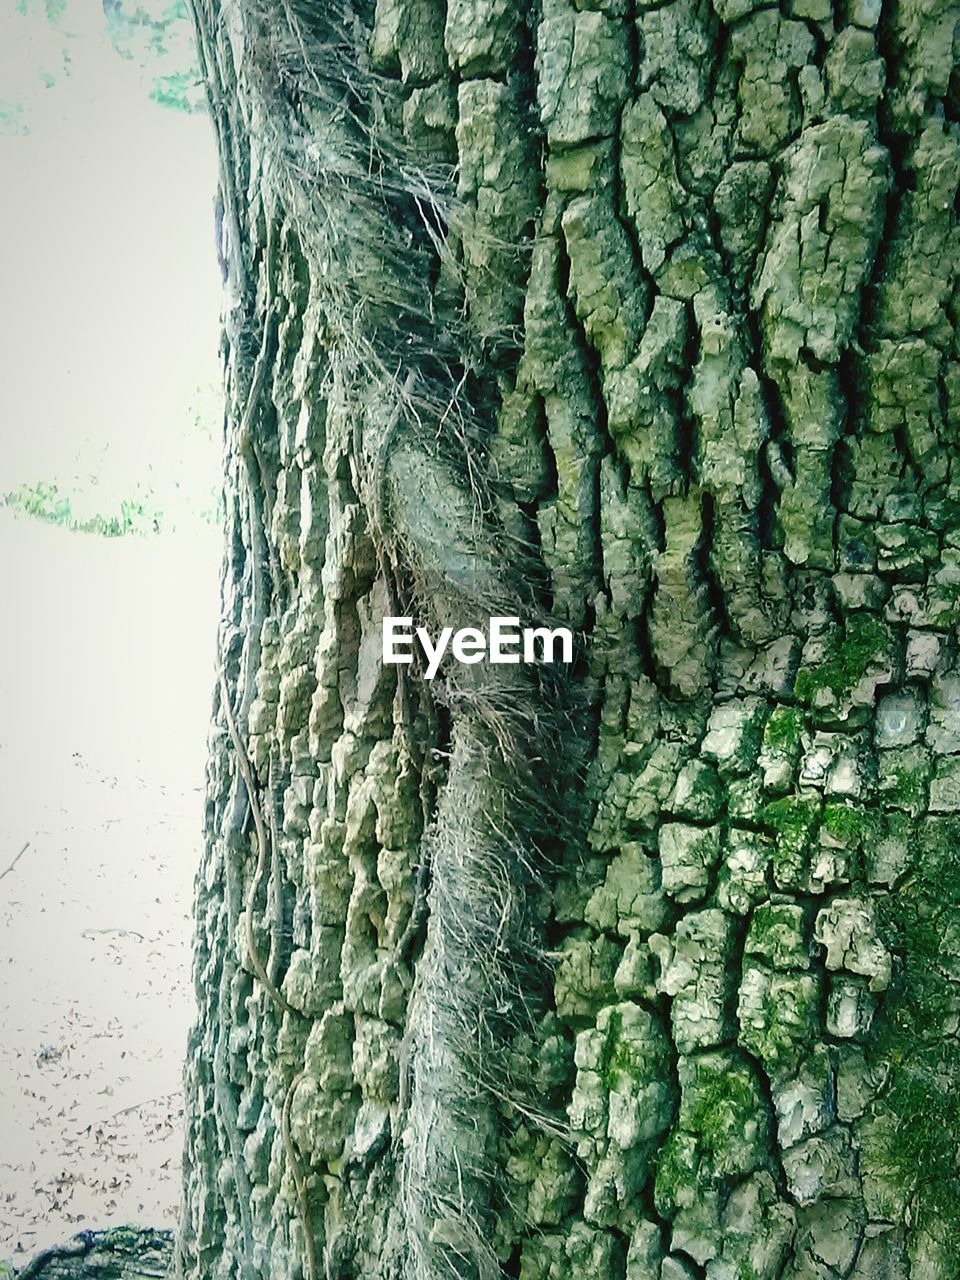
<point x="51" y="40"/>
<point x="54" y="11"/>
<point x="177" y="91"/>
<point x="37" y="43"/>
<point x="13" y="118"/>
<point x="157" y="35"/>
<point x="46" y="501"/>
<point x="170" y="483"/>
<point x="847" y="660"/>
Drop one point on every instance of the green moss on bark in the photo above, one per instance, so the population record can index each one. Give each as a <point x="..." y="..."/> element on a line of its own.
<point x="848" y="659"/>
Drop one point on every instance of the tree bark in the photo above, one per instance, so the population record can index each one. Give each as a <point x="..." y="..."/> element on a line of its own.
<point x="642" y="321"/>
<point x="123" y="1253"/>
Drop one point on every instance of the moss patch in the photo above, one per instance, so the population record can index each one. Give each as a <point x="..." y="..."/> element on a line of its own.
<point x="729" y="1099"/>
<point x="846" y="661"/>
<point x="719" y="1133"/>
<point x="846" y="823"/>
<point x="909" y="789"/>
<point x="783" y="729"/>
<point x="618" y="1057"/>
<point x="922" y="1099"/>
<point x="793" y="820"/>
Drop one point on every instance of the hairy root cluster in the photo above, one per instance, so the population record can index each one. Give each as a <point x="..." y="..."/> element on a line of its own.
<point x="378" y="231"/>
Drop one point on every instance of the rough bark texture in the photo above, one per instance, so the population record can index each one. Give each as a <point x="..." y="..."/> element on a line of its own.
<point x="125" y="1253"/>
<point x="644" y="319"/>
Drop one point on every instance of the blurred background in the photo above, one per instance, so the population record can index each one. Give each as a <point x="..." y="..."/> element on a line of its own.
<point x="110" y="434"/>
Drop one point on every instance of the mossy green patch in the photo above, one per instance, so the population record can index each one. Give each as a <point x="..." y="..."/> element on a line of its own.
<point x="945" y="610"/>
<point x="776" y="935"/>
<point x="793" y="1023"/>
<point x="922" y="1098"/>
<point x="719" y="1133"/>
<point x="616" y="1054"/>
<point x="677" y="1178"/>
<point x="729" y="1099"/>
<point x="846" y="823"/>
<point x="903" y="779"/>
<point x="621" y="1057"/>
<point x="783" y="729"/>
<point x="676" y="1171"/>
<point x="847" y="660"/>
<point x="764" y="926"/>
<point x="909" y="790"/>
<point x="793" y="820"/>
<point x="628" y="1047"/>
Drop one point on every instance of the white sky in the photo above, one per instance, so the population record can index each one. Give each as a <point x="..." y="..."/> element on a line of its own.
<point x="108" y="277"/>
<point x="109" y="322"/>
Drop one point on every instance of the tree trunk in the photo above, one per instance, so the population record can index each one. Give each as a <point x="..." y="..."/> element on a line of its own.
<point x="643" y="323"/>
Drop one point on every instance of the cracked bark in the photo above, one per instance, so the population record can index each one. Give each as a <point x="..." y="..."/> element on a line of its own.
<point x="643" y="317"/>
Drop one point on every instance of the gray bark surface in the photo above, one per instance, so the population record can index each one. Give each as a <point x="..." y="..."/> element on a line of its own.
<point x="123" y="1253"/>
<point x="643" y="319"/>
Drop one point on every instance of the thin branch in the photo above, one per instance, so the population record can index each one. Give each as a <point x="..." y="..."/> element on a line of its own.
<point x="146" y="1103"/>
<point x="123" y="933"/>
<point x="15" y="861"/>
